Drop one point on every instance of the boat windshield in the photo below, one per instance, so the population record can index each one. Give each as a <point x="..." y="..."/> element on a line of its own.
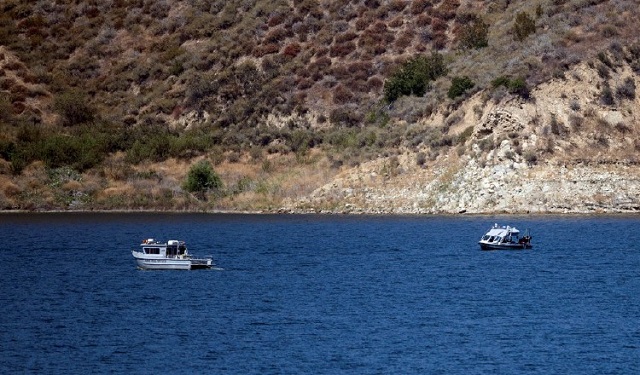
<point x="151" y="250"/>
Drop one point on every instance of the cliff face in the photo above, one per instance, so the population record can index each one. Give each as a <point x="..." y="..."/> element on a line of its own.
<point x="566" y="149"/>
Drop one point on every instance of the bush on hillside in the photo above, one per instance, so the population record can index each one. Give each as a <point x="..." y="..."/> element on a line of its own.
<point x="79" y="148"/>
<point x="6" y="109"/>
<point x="202" y="178"/>
<point x="606" y="95"/>
<point x="414" y="76"/>
<point x="523" y="26"/>
<point x="474" y="35"/>
<point x="627" y="90"/>
<point x="73" y="108"/>
<point x="517" y="86"/>
<point x="459" y="85"/>
<point x="501" y="81"/>
<point x="80" y="153"/>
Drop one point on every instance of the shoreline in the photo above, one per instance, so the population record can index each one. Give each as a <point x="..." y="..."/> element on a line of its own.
<point x="289" y="212"/>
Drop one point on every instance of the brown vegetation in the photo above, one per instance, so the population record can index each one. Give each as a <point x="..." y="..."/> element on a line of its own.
<point x="103" y="89"/>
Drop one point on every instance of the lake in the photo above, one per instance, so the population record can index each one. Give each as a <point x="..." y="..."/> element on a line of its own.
<point x="312" y="294"/>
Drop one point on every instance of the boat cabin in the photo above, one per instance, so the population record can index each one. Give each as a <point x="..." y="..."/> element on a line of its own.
<point x="172" y="248"/>
<point x="502" y="235"/>
<point x="172" y="255"/>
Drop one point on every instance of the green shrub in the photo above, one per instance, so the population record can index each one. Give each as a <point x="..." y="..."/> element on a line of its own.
<point x="606" y="95"/>
<point x="342" y="138"/>
<point x="176" y="68"/>
<point x="18" y="163"/>
<point x="202" y="178"/>
<point x="7" y="148"/>
<point x="530" y="156"/>
<point x="73" y="108"/>
<point x="155" y="148"/>
<point x="557" y="127"/>
<point x="609" y="31"/>
<point x="421" y="158"/>
<point x="501" y="81"/>
<point x="59" y="150"/>
<point x="622" y="128"/>
<point x="627" y="90"/>
<point x="345" y="117"/>
<point x="198" y="87"/>
<point x="466" y="133"/>
<point x="474" y="35"/>
<point x="301" y="140"/>
<point x="523" y="26"/>
<point x="604" y="58"/>
<point x="28" y="133"/>
<point x="414" y="76"/>
<point x="486" y="144"/>
<point x="367" y="138"/>
<point x="459" y="85"/>
<point x="517" y="86"/>
<point x="188" y="144"/>
<point x="6" y="110"/>
<point x="603" y="71"/>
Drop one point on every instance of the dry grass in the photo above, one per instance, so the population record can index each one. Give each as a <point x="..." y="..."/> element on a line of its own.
<point x="5" y="167"/>
<point x="71" y="186"/>
<point x="9" y="188"/>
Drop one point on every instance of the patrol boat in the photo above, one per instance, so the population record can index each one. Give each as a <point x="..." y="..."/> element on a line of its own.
<point x="505" y="238"/>
<point x="172" y="255"/>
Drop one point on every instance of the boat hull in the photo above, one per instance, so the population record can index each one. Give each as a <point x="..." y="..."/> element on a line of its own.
<point x="164" y="263"/>
<point x="504" y="246"/>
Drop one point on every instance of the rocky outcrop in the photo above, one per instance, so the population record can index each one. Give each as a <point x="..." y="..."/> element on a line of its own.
<point x="561" y="151"/>
<point x="479" y="186"/>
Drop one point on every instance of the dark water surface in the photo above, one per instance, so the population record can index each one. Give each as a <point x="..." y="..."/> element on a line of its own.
<point x="319" y="295"/>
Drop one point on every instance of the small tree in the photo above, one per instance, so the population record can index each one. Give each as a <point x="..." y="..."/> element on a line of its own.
<point x="459" y="85"/>
<point x="414" y="76"/>
<point x="474" y="35"/>
<point x="421" y="159"/>
<point x="627" y="90"/>
<point x="523" y="26"/>
<point x="202" y="178"/>
<point x="606" y="95"/>
<point x="6" y="110"/>
<point x="517" y="86"/>
<point x="73" y="108"/>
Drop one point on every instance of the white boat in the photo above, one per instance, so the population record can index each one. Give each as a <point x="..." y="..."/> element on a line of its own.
<point x="172" y="255"/>
<point x="505" y="238"/>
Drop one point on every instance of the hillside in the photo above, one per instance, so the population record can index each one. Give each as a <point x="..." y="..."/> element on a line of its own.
<point x="369" y="106"/>
<point x="575" y="156"/>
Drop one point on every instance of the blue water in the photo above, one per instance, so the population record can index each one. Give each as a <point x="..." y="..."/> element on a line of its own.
<point x="319" y="295"/>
